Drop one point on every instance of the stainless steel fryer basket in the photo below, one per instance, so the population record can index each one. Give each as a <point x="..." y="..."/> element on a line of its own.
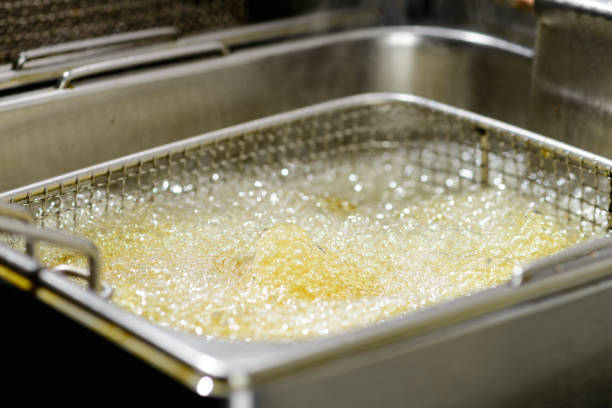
<point x="447" y="149"/>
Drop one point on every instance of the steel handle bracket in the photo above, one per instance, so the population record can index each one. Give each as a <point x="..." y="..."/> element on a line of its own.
<point x="139" y="60"/>
<point x="20" y="213"/>
<point x="92" y="43"/>
<point x="28" y="265"/>
<point x="597" y="250"/>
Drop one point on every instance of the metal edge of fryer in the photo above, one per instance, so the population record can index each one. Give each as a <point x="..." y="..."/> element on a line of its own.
<point x="369" y="98"/>
<point x="54" y="60"/>
<point x="81" y="305"/>
<point x="397" y="34"/>
<point x="52" y="103"/>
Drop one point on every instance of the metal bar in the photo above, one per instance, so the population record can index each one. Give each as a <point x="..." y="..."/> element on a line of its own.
<point x="133" y="61"/>
<point x="591" y="251"/>
<point x="106" y="291"/>
<point x="89" y="43"/>
<point x="20" y="213"/>
<point x="316" y="23"/>
<point x="22" y="264"/>
<point x="76" y="243"/>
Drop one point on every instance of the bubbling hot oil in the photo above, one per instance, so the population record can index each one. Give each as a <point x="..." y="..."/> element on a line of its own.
<point x="308" y="250"/>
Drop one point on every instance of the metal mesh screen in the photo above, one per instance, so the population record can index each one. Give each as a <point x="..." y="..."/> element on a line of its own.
<point x="28" y="24"/>
<point x="443" y="150"/>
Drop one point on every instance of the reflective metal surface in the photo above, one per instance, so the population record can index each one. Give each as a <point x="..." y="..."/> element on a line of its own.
<point x="508" y="19"/>
<point x="105" y="290"/>
<point x="81" y="245"/>
<point x="99" y="42"/>
<point x="50" y="62"/>
<point x="141" y="59"/>
<point x="49" y="132"/>
<point x="571" y="95"/>
<point x="22" y="214"/>
<point x="30" y="24"/>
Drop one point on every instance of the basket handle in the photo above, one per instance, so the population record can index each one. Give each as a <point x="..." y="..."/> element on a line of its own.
<point x="140" y="60"/>
<point x="20" y="213"/>
<point x="25" y="264"/>
<point x="92" y="43"/>
<point x="588" y="253"/>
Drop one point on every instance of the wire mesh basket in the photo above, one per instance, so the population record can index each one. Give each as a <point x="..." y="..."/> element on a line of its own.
<point x="445" y="148"/>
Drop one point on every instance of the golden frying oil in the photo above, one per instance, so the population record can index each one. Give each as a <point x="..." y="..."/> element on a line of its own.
<point x="305" y="250"/>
